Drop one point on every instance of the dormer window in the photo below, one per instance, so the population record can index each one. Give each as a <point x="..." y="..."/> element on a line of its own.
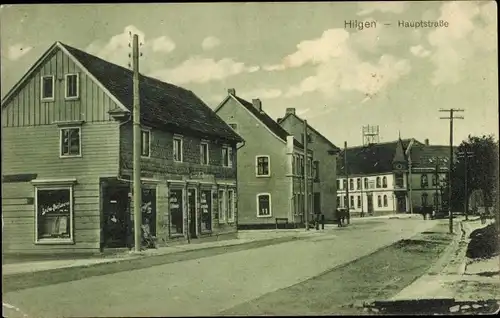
<point x="47" y="88"/>
<point x="72" y="86"/>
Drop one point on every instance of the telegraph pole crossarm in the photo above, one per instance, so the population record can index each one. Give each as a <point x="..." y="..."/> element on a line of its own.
<point x="450" y="169"/>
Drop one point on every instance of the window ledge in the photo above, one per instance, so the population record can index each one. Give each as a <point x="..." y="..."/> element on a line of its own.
<point x="47" y="100"/>
<point x="145" y="157"/>
<point x="72" y="98"/>
<point x="263" y="176"/>
<point x="69" y="123"/>
<point x="264" y="216"/>
<point x="65" y="181"/>
<point x="71" y="156"/>
<point x="55" y="242"/>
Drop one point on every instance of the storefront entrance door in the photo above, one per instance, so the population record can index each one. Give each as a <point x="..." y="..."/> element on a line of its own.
<point x="192" y="212"/>
<point x="115" y="216"/>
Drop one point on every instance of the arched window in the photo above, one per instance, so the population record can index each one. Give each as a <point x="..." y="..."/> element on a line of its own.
<point x="351" y="184"/>
<point x="358" y="183"/>
<point x="424" y="199"/>
<point x="378" y="182"/>
<point x="434" y="180"/>
<point x="423" y="181"/>
<point x="379" y="201"/>
<point x="384" y="182"/>
<point x="366" y="183"/>
<point x="385" y="199"/>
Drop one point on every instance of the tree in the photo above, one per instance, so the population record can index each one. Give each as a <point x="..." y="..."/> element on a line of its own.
<point x="482" y="171"/>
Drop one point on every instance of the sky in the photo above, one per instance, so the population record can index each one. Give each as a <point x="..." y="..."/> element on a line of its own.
<point x="293" y="55"/>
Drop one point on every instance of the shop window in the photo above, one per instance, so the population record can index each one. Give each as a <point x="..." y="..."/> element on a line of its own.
<point x="176" y="207"/>
<point x="54" y="218"/>
<point x="264" y="205"/>
<point x="149" y="209"/>
<point x="206" y="210"/>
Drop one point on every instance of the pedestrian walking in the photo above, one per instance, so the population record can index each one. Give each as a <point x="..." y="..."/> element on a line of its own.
<point x="322" y="221"/>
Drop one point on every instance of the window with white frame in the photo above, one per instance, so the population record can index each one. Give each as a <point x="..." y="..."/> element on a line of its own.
<point x="222" y="206"/>
<point x="178" y="149"/>
<point x="262" y="166"/>
<point x="230" y="205"/>
<point x="352" y="201"/>
<point x="204" y="153"/>
<point x="54" y="213"/>
<point x="145" y="143"/>
<point x="47" y="88"/>
<point x="70" y="142"/>
<point x="227" y="156"/>
<point x="264" y="205"/>
<point x="72" y="86"/>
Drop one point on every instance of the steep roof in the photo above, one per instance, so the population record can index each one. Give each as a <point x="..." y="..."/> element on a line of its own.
<point x="163" y="105"/>
<point x="280" y="120"/>
<point x="268" y="121"/>
<point x="370" y="159"/>
<point x="423" y="156"/>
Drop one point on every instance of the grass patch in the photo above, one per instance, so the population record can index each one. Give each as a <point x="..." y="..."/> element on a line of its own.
<point x="21" y="281"/>
<point x="377" y="276"/>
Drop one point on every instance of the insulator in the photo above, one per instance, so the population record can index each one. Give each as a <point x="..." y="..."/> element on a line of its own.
<point x="141" y="53"/>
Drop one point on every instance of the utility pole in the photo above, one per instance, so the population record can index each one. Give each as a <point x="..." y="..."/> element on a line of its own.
<point x="466" y="155"/>
<point x="137" y="192"/>
<point x="306" y="179"/>
<point x="451" y="111"/>
<point x="346" y="170"/>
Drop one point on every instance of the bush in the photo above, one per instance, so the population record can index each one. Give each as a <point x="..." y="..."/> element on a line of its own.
<point x="484" y="243"/>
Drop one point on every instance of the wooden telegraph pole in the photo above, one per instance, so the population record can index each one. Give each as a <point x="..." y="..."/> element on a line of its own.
<point x="306" y="179"/>
<point x="346" y="170"/>
<point x="137" y="192"/>
<point x="466" y="155"/>
<point x="451" y="111"/>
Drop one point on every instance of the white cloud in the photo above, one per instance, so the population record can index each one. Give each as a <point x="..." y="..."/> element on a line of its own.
<point x="419" y="51"/>
<point x="463" y="39"/>
<point x="16" y="51"/>
<point x="210" y="42"/>
<point x="263" y="93"/>
<point x="117" y="49"/>
<point x="339" y="68"/>
<point x="385" y="7"/>
<point x="202" y="70"/>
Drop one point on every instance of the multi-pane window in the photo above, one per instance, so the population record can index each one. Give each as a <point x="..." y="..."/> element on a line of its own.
<point x="227" y="156"/>
<point x="384" y="182"/>
<point x="145" y="143"/>
<point x="230" y="205"/>
<point x="178" y="149"/>
<point x="72" y="86"/>
<point x="176" y="207"/>
<point x="54" y="216"/>
<point x="263" y="166"/>
<point x="47" y="87"/>
<point x="264" y="204"/>
<point x="70" y="142"/>
<point x="204" y="153"/>
<point x="423" y="181"/>
<point x="385" y="200"/>
<point x="222" y="206"/>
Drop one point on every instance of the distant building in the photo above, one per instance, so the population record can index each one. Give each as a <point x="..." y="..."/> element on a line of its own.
<point x="270" y="166"/>
<point x="392" y="177"/>
<point x="324" y="163"/>
<point x="67" y="159"/>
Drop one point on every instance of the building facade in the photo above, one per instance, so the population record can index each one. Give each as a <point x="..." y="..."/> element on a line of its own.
<point x="324" y="163"/>
<point x="271" y="163"/>
<point x="392" y="177"/>
<point x="67" y="159"/>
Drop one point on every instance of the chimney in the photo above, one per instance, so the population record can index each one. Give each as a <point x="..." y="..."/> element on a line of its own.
<point x="231" y="91"/>
<point x="426" y="141"/>
<point x="290" y="111"/>
<point x="278" y="120"/>
<point x="257" y="104"/>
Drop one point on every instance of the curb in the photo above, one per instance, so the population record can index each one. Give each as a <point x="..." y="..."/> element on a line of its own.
<point x="442" y="262"/>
